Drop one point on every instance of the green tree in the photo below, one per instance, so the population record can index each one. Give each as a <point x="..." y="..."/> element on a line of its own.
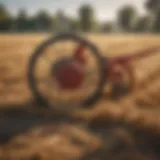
<point x="86" y="14"/>
<point x="156" y="26"/>
<point x="44" y="22"/>
<point x="127" y="17"/>
<point x="144" y="24"/>
<point x="5" y="19"/>
<point x="31" y="24"/>
<point x="108" y="27"/>
<point x="153" y="7"/>
<point x="75" y="24"/>
<point x="22" y="21"/>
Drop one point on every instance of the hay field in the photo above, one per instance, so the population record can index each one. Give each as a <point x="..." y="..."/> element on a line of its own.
<point x="16" y="49"/>
<point x="139" y="111"/>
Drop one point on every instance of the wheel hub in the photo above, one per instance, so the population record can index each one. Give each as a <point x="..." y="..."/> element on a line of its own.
<point x="68" y="73"/>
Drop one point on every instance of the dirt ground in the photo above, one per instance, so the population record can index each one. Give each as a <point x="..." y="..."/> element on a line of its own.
<point x="126" y="129"/>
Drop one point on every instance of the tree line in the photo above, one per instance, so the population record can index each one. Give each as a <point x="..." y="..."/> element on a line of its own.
<point x="128" y="20"/>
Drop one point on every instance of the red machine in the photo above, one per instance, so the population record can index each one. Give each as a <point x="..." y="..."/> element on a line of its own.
<point x="76" y="72"/>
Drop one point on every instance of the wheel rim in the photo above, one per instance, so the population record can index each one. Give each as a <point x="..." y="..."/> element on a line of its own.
<point x="86" y="98"/>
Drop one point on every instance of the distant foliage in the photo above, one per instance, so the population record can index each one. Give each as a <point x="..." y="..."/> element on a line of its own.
<point x="86" y="14"/>
<point x="144" y="24"/>
<point x="156" y="27"/>
<point x="43" y="21"/>
<point x="128" y="20"/>
<point x="75" y="25"/>
<point x="5" y="19"/>
<point x="22" y="21"/>
<point x="108" y="27"/>
<point x="127" y="17"/>
<point x="153" y="7"/>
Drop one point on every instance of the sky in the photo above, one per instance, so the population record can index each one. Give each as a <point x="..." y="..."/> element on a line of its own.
<point x="105" y="9"/>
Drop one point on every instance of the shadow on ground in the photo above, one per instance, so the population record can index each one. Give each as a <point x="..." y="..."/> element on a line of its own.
<point x="16" y="119"/>
<point x="81" y="140"/>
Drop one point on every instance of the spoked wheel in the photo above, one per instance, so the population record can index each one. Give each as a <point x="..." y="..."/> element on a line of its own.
<point x="65" y="71"/>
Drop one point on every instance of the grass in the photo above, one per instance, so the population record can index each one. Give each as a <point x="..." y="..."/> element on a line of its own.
<point x="139" y="110"/>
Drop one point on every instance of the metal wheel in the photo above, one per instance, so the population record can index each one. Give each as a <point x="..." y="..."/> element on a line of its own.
<point x="84" y="81"/>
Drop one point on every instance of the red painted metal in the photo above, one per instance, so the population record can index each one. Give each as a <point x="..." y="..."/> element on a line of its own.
<point x="79" y="54"/>
<point x="124" y="61"/>
<point x="69" y="75"/>
<point x="136" y="56"/>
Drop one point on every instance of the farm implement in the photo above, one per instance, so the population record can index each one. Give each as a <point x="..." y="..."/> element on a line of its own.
<point x="68" y="70"/>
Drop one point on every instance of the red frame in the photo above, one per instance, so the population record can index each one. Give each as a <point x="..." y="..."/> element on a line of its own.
<point x="122" y="61"/>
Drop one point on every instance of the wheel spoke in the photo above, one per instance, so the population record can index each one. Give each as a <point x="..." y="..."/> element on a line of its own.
<point x="56" y="55"/>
